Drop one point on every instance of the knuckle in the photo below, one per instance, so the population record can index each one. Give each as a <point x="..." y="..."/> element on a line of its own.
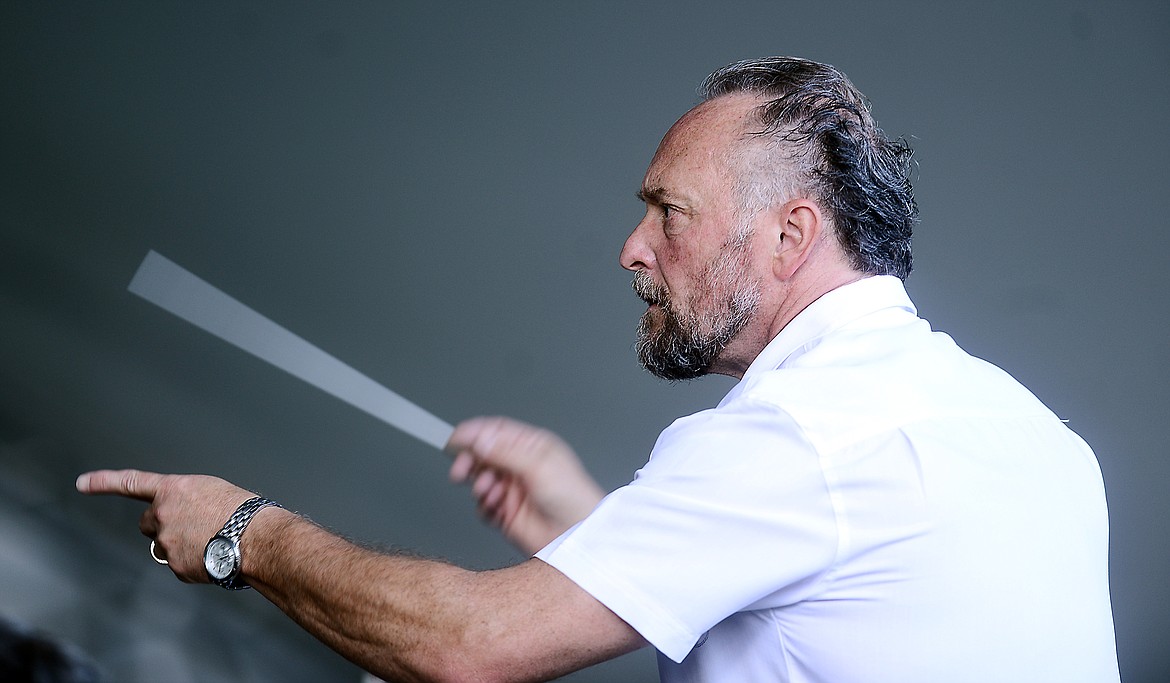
<point x="128" y="481"/>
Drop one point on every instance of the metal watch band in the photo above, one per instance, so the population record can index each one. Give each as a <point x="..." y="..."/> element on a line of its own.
<point x="234" y="529"/>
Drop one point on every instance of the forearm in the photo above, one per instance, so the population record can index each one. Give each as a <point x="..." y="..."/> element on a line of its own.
<point x="405" y="618"/>
<point x="402" y="618"/>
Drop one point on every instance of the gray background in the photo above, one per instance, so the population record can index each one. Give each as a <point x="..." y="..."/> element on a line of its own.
<point x="436" y="193"/>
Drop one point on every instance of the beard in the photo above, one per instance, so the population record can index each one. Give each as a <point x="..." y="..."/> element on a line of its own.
<point x="675" y="344"/>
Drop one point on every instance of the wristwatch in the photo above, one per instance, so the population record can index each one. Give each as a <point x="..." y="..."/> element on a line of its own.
<point x="221" y="558"/>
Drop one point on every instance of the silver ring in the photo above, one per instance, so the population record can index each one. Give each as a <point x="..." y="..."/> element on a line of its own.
<point x="156" y="558"/>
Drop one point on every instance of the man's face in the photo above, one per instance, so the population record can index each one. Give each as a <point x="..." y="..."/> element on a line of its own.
<point x="692" y="253"/>
<point x="682" y="340"/>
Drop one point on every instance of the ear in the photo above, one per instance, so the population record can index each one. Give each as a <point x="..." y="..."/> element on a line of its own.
<point x="799" y="224"/>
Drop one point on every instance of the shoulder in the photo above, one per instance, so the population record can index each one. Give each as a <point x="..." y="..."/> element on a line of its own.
<point x="865" y="380"/>
<point x="743" y="440"/>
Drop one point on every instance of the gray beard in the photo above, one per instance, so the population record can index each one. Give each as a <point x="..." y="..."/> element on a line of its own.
<point x="685" y="346"/>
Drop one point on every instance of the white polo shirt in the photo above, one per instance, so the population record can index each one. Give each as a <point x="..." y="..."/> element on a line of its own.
<point x="870" y="503"/>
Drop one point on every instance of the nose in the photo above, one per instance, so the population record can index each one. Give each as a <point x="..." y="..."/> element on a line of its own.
<point x="636" y="253"/>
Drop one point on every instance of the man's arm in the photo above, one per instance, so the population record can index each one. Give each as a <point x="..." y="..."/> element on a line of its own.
<point x="399" y="617"/>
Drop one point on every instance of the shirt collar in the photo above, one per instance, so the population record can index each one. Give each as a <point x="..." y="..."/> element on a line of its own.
<point x="832" y="310"/>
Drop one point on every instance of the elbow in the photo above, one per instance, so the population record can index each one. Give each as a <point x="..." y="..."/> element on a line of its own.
<point x="469" y="666"/>
<point x="456" y="672"/>
<point x="444" y="669"/>
<point x="474" y="654"/>
<point x="458" y="660"/>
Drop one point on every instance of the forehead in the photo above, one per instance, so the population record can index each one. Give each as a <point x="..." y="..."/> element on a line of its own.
<point x="699" y="147"/>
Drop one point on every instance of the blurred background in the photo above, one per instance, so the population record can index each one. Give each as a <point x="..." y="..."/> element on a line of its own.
<point x="436" y="194"/>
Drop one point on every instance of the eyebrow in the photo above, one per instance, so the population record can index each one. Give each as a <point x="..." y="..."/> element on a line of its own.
<point x="651" y="195"/>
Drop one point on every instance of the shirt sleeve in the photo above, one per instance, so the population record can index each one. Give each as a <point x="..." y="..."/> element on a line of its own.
<point x="732" y="511"/>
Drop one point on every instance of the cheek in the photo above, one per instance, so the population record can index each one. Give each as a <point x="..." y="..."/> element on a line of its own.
<point x="673" y="253"/>
<point x="677" y="269"/>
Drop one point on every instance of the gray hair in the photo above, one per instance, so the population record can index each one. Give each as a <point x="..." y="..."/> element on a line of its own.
<point x="822" y="125"/>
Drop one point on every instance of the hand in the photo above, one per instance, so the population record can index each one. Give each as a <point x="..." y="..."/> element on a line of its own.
<point x="185" y="511"/>
<point x="528" y="482"/>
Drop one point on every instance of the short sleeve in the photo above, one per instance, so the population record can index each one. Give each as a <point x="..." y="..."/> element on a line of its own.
<point x="731" y="512"/>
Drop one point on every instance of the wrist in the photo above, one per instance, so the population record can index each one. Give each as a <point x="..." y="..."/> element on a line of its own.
<point x="265" y="534"/>
<point x="222" y="558"/>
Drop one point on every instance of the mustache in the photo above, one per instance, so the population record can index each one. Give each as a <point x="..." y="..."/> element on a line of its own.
<point x="650" y="291"/>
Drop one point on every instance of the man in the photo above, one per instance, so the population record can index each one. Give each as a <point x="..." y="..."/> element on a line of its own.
<point x="868" y="503"/>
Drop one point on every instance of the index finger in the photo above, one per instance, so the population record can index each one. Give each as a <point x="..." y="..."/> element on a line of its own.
<point x="130" y="483"/>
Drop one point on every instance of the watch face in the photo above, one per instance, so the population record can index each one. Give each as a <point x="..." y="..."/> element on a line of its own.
<point x="221" y="558"/>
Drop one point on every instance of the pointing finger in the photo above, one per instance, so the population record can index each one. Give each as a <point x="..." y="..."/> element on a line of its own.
<point x="130" y="483"/>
